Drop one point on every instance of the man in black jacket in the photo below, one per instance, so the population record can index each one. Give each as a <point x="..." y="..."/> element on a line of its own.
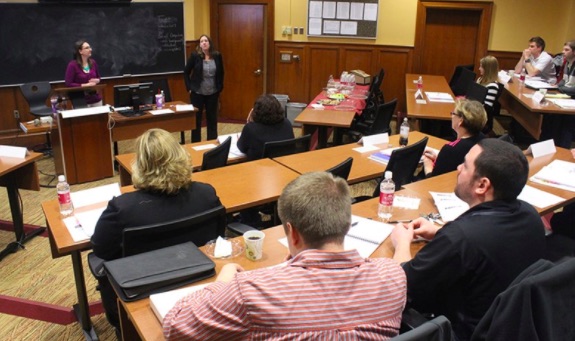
<point x="472" y="259"/>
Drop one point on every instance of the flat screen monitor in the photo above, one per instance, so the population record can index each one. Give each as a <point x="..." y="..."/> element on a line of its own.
<point x="134" y="95"/>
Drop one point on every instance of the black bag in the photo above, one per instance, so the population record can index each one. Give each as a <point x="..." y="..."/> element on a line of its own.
<point x="139" y="276"/>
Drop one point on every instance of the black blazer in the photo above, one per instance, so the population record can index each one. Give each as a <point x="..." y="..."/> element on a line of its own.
<point x="143" y="208"/>
<point x="193" y="72"/>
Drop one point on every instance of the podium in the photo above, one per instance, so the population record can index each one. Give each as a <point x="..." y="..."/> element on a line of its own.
<point x="82" y="149"/>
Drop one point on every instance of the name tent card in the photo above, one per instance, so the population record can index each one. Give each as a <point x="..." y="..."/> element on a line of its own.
<point x="538" y="97"/>
<point x="542" y="148"/>
<point x="419" y="97"/>
<point x="11" y="151"/>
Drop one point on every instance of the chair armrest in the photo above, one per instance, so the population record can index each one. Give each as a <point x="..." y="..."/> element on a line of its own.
<point x="239" y="228"/>
<point x="411" y="319"/>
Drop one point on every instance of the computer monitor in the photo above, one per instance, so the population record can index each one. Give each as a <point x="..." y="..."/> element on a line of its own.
<point x="134" y="95"/>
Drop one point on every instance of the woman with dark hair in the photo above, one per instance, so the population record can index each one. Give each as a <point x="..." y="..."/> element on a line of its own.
<point x="265" y="123"/>
<point x="204" y="77"/>
<point x="83" y="71"/>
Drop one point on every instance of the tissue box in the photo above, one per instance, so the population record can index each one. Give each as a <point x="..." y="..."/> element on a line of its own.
<point x="361" y="77"/>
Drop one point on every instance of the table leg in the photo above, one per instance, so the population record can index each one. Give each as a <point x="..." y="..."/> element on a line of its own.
<point x="82" y="309"/>
<point x="321" y="137"/>
<point x="129" y="331"/>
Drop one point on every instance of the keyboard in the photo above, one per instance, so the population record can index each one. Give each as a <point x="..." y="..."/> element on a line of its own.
<point x="129" y="113"/>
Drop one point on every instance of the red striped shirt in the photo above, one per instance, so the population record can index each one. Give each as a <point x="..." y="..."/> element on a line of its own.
<point x="318" y="295"/>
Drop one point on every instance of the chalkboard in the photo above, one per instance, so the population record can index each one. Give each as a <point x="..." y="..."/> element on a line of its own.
<point x="37" y="41"/>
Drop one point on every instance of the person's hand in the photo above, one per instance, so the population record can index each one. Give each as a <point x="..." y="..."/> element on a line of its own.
<point x="402" y="234"/>
<point x="430" y="154"/>
<point x="424" y="228"/>
<point x="250" y="118"/>
<point x="526" y="54"/>
<point x="228" y="272"/>
<point x="573" y="152"/>
<point x="95" y="81"/>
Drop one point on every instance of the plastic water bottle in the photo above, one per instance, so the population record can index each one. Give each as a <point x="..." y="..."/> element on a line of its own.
<point x="63" y="189"/>
<point x="386" y="193"/>
<point x="163" y="97"/>
<point x="522" y="75"/>
<point x="330" y="82"/>
<point x="420" y="83"/>
<point x="404" y="132"/>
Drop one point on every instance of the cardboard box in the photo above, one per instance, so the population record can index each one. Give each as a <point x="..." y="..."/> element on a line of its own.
<point x="361" y="77"/>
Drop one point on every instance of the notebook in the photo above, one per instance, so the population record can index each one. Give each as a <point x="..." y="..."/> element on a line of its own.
<point x="162" y="303"/>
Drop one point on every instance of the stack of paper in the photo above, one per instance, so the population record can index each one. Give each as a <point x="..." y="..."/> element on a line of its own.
<point x="537" y="84"/>
<point x="162" y="303"/>
<point x="559" y="174"/>
<point x="564" y="103"/>
<point x="439" y="97"/>
<point x="449" y="205"/>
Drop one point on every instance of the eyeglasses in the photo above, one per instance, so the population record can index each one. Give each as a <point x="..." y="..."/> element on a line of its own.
<point x="453" y="113"/>
<point x="86" y="48"/>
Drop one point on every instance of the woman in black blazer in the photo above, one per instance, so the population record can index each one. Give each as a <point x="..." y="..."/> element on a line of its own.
<point x="165" y="191"/>
<point x="204" y="77"/>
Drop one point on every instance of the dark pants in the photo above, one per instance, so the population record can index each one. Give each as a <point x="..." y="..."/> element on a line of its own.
<point x="208" y="103"/>
<point x="559" y="128"/>
<point x="109" y="301"/>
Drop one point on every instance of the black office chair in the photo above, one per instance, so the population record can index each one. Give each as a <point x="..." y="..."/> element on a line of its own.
<point x="374" y="99"/>
<point x="286" y="147"/>
<point x="438" y="329"/>
<point x="218" y="156"/>
<point x="379" y="126"/>
<point x="461" y="78"/>
<point x="342" y="170"/>
<point x="199" y="229"/>
<point x="477" y="92"/>
<point x="36" y="95"/>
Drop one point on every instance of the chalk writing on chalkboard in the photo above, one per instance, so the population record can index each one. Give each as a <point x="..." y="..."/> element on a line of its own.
<point x="36" y="41"/>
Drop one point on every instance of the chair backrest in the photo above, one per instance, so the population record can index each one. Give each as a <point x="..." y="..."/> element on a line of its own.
<point x="218" y="156"/>
<point x="403" y="163"/>
<point x="462" y="76"/>
<point x="199" y="229"/>
<point x="438" y="329"/>
<point x="36" y="95"/>
<point x="286" y="147"/>
<point x="342" y="170"/>
<point x="506" y="137"/>
<point x="375" y="95"/>
<point x="476" y="91"/>
<point x="383" y="118"/>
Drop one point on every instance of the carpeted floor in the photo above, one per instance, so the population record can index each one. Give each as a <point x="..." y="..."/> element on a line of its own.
<point x="34" y="284"/>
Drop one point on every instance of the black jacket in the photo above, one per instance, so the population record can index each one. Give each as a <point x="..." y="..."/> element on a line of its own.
<point x="193" y="72"/>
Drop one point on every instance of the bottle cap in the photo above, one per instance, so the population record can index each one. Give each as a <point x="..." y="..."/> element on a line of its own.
<point x="388" y="174"/>
<point x="61" y="178"/>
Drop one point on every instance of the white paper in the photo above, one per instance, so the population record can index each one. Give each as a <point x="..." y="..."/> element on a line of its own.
<point x="12" y="151"/>
<point x="95" y="195"/>
<point x="314" y="28"/>
<point x="449" y="205"/>
<point x="205" y="146"/>
<point x="88" y="207"/>
<point x="161" y="111"/>
<point x="163" y="302"/>
<point x="439" y="97"/>
<point x="349" y="27"/>
<point x="410" y="203"/>
<point x="356" y="11"/>
<point x="234" y="150"/>
<point x="331" y="27"/>
<point x="538" y="97"/>
<point x="503" y="77"/>
<point x="538" y="84"/>
<point x="88" y="219"/>
<point x="538" y="198"/>
<point x="75" y="229"/>
<point x="374" y="139"/>
<point x="184" y="107"/>
<point x="563" y="102"/>
<point x="365" y="149"/>
<point x="329" y="9"/>
<point x="342" y="10"/>
<point x="86" y="111"/>
<point x="370" y="12"/>
<point x="315" y="9"/>
<point x="542" y="148"/>
<point x="558" y="174"/>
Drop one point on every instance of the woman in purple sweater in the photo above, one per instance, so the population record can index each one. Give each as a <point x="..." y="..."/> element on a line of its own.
<point x="83" y="71"/>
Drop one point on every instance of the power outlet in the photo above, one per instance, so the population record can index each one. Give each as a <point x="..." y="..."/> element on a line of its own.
<point x="16" y="114"/>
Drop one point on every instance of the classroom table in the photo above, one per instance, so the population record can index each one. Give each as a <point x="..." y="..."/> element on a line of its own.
<point x="516" y="99"/>
<point x="18" y="173"/>
<point x="196" y="154"/>
<point x="428" y="110"/>
<point x="138" y="321"/>
<point x="320" y="120"/>
<point x="362" y="169"/>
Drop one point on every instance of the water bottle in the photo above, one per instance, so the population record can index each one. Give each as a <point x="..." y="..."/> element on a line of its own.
<point x="404" y="132"/>
<point x="386" y="193"/>
<point x="63" y="189"/>
<point x="163" y="97"/>
<point x="522" y="75"/>
<point x="420" y="83"/>
<point x="54" y="102"/>
<point x="330" y="82"/>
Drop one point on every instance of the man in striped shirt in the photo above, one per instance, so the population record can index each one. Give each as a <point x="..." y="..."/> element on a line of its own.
<point x="322" y="293"/>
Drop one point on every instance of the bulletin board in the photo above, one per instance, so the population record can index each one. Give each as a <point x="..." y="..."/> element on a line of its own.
<point x="344" y="19"/>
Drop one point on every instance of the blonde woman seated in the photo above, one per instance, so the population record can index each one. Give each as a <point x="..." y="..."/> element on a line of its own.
<point x="165" y="191"/>
<point x="467" y="120"/>
<point x="488" y="69"/>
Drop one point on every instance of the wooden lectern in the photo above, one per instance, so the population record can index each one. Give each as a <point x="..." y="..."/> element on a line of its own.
<point x="82" y="149"/>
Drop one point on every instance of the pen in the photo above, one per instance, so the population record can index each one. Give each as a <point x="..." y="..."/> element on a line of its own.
<point x="400" y="221"/>
<point x="354" y="223"/>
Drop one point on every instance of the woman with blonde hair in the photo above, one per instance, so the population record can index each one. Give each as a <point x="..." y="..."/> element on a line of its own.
<point x="488" y="70"/>
<point x="467" y="120"/>
<point x="165" y="191"/>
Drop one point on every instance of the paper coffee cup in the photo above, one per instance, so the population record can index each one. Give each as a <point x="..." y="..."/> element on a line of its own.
<point x="254" y="244"/>
<point x="159" y="101"/>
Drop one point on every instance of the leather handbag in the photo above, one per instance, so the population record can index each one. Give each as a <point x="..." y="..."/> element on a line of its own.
<point x="138" y="276"/>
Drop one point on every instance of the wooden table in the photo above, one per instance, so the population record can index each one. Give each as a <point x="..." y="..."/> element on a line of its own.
<point x="127" y="128"/>
<point x="446" y="182"/>
<point x="429" y="110"/>
<point x="31" y="128"/>
<point x="197" y="156"/>
<point x="524" y="110"/>
<point x="362" y="168"/>
<point x="321" y="120"/>
<point x="18" y="173"/>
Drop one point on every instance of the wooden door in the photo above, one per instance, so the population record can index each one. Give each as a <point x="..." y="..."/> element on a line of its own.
<point x="241" y="32"/>
<point x="450" y="34"/>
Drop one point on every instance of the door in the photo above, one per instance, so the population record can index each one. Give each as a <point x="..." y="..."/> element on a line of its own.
<point x="240" y="33"/>
<point x="450" y="34"/>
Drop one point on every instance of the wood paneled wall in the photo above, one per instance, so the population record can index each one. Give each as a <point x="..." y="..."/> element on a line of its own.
<point x="311" y="65"/>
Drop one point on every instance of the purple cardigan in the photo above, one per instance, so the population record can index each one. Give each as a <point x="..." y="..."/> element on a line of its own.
<point x="75" y="77"/>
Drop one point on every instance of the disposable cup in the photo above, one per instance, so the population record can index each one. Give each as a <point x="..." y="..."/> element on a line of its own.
<point x="254" y="244"/>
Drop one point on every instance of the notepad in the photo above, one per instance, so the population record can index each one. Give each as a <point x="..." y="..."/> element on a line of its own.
<point x="559" y="174"/>
<point x="162" y="303"/>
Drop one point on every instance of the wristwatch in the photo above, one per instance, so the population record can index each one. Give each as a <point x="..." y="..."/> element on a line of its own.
<point x="527" y="60"/>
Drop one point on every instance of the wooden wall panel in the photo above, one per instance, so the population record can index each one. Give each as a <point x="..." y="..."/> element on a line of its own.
<point x="506" y="60"/>
<point x="323" y="61"/>
<point x="289" y="78"/>
<point x="396" y="62"/>
<point x="358" y="58"/>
